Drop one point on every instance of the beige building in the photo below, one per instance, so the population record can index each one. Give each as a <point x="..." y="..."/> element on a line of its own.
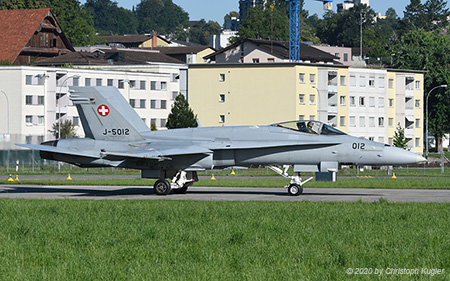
<point x="363" y="102"/>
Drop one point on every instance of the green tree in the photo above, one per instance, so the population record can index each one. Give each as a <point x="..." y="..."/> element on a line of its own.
<point x="399" y="137"/>
<point x="161" y="15"/>
<point x="200" y="32"/>
<point x="181" y="115"/>
<point x="67" y="129"/>
<point x="429" y="16"/>
<point x="111" y="19"/>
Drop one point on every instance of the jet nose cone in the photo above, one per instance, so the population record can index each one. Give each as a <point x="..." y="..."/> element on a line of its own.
<point x="420" y="159"/>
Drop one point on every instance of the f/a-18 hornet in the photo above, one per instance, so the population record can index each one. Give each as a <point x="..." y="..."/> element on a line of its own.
<point x="117" y="137"/>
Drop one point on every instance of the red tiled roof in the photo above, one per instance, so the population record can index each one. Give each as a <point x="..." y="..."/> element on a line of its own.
<point x="18" y="26"/>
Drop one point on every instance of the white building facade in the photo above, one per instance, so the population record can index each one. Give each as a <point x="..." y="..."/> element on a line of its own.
<point x="38" y="96"/>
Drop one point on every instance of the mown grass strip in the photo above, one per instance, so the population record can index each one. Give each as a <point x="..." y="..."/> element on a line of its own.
<point x="165" y="240"/>
<point x="389" y="183"/>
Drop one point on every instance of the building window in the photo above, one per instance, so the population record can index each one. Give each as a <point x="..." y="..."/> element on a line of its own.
<point x="417" y="85"/>
<point x="337" y="55"/>
<point x="28" y="139"/>
<point x="222" y="119"/>
<point x="391" y="103"/>
<point x="417" y="103"/>
<point x="28" y="100"/>
<point x="301" y="98"/>
<point x="342" y="100"/>
<point x="371" y="121"/>
<point x="163" y="122"/>
<point x="372" y="101"/>
<point x="133" y="103"/>
<point x="270" y="60"/>
<point x="381" y="139"/>
<point x="142" y="103"/>
<point x="28" y="80"/>
<point x="380" y="121"/>
<point x="352" y="121"/>
<point x="362" y="101"/>
<point x="222" y="77"/>
<point x="342" y="121"/>
<point x="132" y="84"/>
<point x="152" y="85"/>
<point x="221" y="98"/>
<point x="417" y="123"/>
<point x="142" y="85"/>
<point x="174" y="95"/>
<point x="153" y="104"/>
<point x="255" y="60"/>
<point x="312" y="117"/>
<point x="391" y="122"/>
<point x="301" y="77"/>
<point x="312" y="78"/>
<point x="345" y="57"/>
<point x="352" y="101"/>
<point x="362" y="81"/>
<point x="312" y="99"/>
<point x="29" y="119"/>
<point x="163" y="104"/>
<point x="152" y="121"/>
<point x="301" y="117"/>
<point x="98" y="81"/>
<point x="41" y="120"/>
<point x="381" y="102"/>
<point x="163" y="86"/>
<point x="121" y="84"/>
<point x="362" y="121"/>
<point x="76" y="81"/>
<point x="391" y="83"/>
<point x="372" y="82"/>
<point x="87" y="82"/>
<point x="76" y="121"/>
<point x="417" y="142"/>
<point x="390" y="141"/>
<point x="342" y="80"/>
<point x="381" y="82"/>
<point x="352" y="81"/>
<point x="109" y="82"/>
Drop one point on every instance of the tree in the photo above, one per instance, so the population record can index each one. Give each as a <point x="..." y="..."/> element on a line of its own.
<point x="111" y="19"/>
<point x="161" y="15"/>
<point x="67" y="129"/>
<point x="200" y="32"/>
<point x="429" y="16"/>
<point x="181" y="115"/>
<point x="399" y="137"/>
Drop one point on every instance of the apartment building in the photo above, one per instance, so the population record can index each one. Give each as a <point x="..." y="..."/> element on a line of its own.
<point x="363" y="102"/>
<point x="39" y="96"/>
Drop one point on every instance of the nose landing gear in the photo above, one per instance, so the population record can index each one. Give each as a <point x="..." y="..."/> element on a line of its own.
<point x="295" y="187"/>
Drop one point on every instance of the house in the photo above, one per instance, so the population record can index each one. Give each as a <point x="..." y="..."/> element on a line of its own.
<point x="135" y="41"/>
<point x="188" y="54"/>
<point x="31" y="35"/>
<point x="263" y="51"/>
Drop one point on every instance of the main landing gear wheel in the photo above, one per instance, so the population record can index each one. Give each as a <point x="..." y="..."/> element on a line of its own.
<point x="295" y="190"/>
<point x="162" y="187"/>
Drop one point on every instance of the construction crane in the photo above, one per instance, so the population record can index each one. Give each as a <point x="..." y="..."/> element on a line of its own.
<point x="294" y="27"/>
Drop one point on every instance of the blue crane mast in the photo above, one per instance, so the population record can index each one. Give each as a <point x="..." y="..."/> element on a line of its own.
<point x="294" y="27"/>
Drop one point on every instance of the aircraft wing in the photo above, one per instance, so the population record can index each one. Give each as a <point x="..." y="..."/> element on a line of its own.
<point x="160" y="153"/>
<point x="55" y="149"/>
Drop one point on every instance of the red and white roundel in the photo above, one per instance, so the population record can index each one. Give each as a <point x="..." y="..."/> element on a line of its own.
<point x="103" y="110"/>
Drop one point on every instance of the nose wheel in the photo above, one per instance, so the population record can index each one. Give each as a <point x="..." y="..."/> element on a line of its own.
<point x="295" y="189"/>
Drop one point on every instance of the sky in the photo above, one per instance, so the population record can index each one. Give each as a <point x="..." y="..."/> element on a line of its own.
<point x="217" y="9"/>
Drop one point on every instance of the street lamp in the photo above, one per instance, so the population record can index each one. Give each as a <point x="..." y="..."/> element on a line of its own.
<point x="428" y="95"/>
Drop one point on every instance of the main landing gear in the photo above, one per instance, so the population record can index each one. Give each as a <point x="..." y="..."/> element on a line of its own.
<point x="180" y="183"/>
<point x="295" y="187"/>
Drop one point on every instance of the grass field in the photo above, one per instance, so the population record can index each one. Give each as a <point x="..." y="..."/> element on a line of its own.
<point x="161" y="240"/>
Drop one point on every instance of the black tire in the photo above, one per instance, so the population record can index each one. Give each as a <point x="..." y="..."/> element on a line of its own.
<point x="295" y="190"/>
<point x="162" y="187"/>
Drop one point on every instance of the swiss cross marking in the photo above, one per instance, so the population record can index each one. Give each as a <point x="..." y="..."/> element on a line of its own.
<point x="103" y="110"/>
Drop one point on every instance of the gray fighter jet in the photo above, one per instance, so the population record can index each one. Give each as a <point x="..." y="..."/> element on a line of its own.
<point x="117" y="137"/>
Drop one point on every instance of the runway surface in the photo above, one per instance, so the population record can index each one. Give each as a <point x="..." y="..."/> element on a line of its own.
<point x="223" y="194"/>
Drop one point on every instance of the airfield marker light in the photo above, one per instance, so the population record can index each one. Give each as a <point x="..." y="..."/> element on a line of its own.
<point x="17" y="178"/>
<point x="68" y="178"/>
<point x="393" y="176"/>
<point x="10" y="178"/>
<point x="213" y="178"/>
<point x="232" y="172"/>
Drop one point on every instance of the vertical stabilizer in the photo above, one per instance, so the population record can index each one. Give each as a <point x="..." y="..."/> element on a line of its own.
<point x="106" y="115"/>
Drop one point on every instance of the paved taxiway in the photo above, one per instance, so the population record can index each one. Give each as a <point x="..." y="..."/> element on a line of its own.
<point x="222" y="194"/>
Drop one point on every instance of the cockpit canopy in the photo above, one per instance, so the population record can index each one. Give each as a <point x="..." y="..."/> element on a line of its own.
<point x="310" y="127"/>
